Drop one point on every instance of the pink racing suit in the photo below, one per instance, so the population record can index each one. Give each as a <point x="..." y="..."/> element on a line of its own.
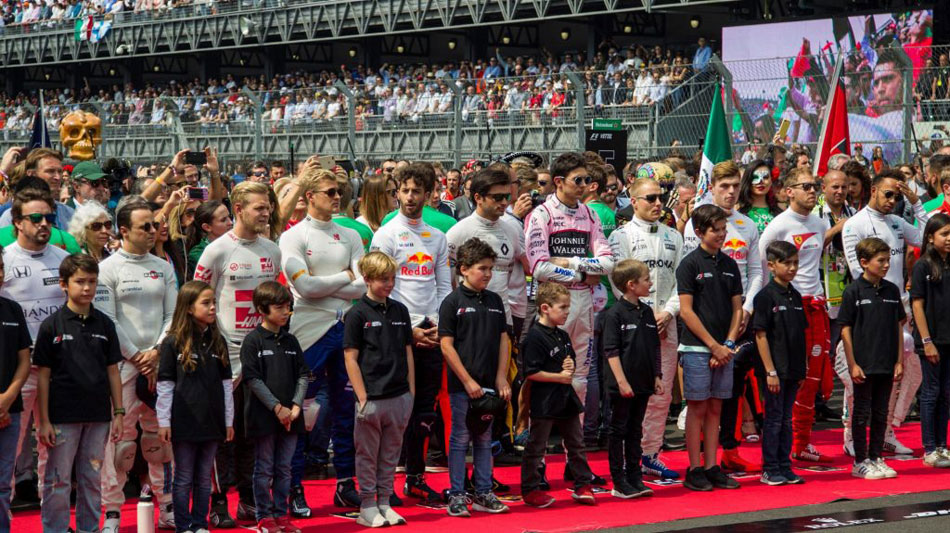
<point x="556" y="230"/>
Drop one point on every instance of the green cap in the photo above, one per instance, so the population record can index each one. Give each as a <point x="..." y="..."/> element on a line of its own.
<point x="87" y="170"/>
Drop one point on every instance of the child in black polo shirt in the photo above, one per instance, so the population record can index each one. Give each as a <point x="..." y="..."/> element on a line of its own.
<point x="273" y="369"/>
<point x="549" y="365"/>
<point x="930" y="300"/>
<point x="710" y="290"/>
<point x="475" y="344"/>
<point x="377" y="346"/>
<point x="632" y="348"/>
<point x="779" y="323"/>
<point x="15" y="344"/>
<point x="195" y="406"/>
<point x="79" y="393"/>
<point x="871" y="315"/>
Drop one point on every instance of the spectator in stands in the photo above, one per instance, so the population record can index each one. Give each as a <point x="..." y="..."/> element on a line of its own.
<point x="702" y="56"/>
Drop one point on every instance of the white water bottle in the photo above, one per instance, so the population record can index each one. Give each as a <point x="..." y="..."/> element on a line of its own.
<point x="145" y="512"/>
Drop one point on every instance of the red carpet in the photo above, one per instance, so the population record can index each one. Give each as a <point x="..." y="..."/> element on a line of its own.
<point x="668" y="503"/>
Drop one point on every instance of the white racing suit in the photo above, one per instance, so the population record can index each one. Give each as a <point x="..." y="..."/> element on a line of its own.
<point x="557" y="230"/>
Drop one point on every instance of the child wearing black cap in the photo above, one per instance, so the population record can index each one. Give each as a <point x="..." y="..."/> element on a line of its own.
<point x="475" y="344"/>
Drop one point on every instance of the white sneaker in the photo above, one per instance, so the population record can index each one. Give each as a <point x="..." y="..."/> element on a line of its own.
<point x="371" y="517"/>
<point x="884" y="469"/>
<point x="866" y="470"/>
<point x="111" y="523"/>
<point x="944" y="452"/>
<point x="166" y="516"/>
<point x="936" y="459"/>
<point x="681" y="420"/>
<point x="849" y="448"/>
<point x="892" y="445"/>
<point x="392" y="517"/>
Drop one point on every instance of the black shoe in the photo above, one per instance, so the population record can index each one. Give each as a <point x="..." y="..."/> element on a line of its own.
<point x="622" y="488"/>
<point x="26" y="492"/>
<point x="498" y="487"/>
<point x="720" y="480"/>
<point x="395" y="501"/>
<point x="345" y="494"/>
<point x="637" y="483"/>
<point x="219" y="517"/>
<point x="246" y="512"/>
<point x="597" y="481"/>
<point x="320" y="471"/>
<point x="416" y="487"/>
<point x="696" y="480"/>
<point x="298" y="503"/>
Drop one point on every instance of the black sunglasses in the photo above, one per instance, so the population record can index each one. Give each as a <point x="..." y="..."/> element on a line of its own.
<point x="500" y="196"/>
<point x="807" y="187"/>
<point x="97" y="226"/>
<point x="543" y="183"/>
<point x="582" y="180"/>
<point x="891" y="194"/>
<point x="148" y="227"/>
<point x="651" y="198"/>
<point x="36" y="218"/>
<point x="332" y="193"/>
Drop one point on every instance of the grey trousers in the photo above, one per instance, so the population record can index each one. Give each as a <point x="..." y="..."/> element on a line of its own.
<point x="380" y="425"/>
<point x="571" y="433"/>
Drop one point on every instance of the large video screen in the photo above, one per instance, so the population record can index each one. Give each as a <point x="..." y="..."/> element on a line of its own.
<point x="783" y="70"/>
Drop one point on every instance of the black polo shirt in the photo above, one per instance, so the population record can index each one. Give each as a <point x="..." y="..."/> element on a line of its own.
<point x="936" y="297"/>
<point x="475" y="321"/>
<point x="544" y="350"/>
<point x="198" y="402"/>
<point x="712" y="280"/>
<point x="630" y="333"/>
<point x="778" y="311"/>
<point x="78" y="349"/>
<point x="14" y="336"/>
<point x="873" y="312"/>
<point x="276" y="360"/>
<point x="381" y="332"/>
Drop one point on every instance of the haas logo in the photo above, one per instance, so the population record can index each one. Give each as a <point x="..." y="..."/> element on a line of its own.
<point x="267" y="265"/>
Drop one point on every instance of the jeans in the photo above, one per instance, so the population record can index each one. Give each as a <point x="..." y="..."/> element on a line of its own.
<point x="316" y="441"/>
<point x="935" y="400"/>
<point x="272" y="456"/>
<point x="193" y="464"/>
<point x="458" y="447"/>
<point x="82" y="445"/>
<point x="870" y="403"/>
<point x="777" y="427"/>
<point x="626" y="431"/>
<point x="8" y="441"/>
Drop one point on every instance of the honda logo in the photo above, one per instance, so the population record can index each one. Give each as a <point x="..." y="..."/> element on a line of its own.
<point x="22" y="271"/>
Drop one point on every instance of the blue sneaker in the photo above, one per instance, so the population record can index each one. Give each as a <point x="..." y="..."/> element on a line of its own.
<point x="654" y="466"/>
<point x="791" y="477"/>
<point x="773" y="478"/>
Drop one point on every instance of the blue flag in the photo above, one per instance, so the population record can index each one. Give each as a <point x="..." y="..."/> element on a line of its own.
<point x="40" y="137"/>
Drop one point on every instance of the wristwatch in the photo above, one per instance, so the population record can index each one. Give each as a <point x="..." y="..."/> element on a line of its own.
<point x="731" y="344"/>
<point x="773" y="374"/>
<point x="926" y="340"/>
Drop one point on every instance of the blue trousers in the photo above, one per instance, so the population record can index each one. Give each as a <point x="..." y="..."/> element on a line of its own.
<point x="272" y="455"/>
<point x="191" y="496"/>
<point x="777" y="428"/>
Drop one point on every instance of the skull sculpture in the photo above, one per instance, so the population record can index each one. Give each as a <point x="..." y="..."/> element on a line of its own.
<point x="81" y="132"/>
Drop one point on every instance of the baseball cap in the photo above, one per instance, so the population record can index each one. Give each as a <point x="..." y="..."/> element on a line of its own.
<point x="88" y="170"/>
<point x="483" y="411"/>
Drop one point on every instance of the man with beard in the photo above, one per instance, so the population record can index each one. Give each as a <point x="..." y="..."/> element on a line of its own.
<point x="660" y="247"/>
<point x="742" y="245"/>
<point x="137" y="290"/>
<point x="423" y="280"/>
<point x="31" y="278"/>
<point x="235" y="264"/>
<point x="89" y="183"/>
<point x="807" y="231"/>
<point x="876" y="220"/>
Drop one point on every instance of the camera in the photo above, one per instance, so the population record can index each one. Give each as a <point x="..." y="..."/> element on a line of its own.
<point x="117" y="170"/>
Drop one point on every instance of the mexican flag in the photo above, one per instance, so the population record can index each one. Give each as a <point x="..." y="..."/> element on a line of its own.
<point x="717" y="147"/>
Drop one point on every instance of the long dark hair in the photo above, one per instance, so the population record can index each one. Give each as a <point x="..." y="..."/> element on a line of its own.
<point x="929" y="253"/>
<point x="183" y="328"/>
<point x="203" y="215"/>
<point x="745" y="189"/>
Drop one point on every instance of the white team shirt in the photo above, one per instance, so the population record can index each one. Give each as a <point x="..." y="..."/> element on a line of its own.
<point x="422" y="255"/>
<point x="807" y="233"/>
<point x="235" y="267"/>
<point x="314" y="256"/>
<point x="138" y="292"/>
<point x="742" y="245"/>
<point x="658" y="246"/>
<point x="31" y="279"/>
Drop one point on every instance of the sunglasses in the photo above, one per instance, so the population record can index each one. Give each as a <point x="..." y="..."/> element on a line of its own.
<point x="97" y="226"/>
<point x="389" y="169"/>
<point x="807" y="187"/>
<point x="613" y="187"/>
<point x="891" y="194"/>
<point x="94" y="184"/>
<point x="500" y="196"/>
<point x="543" y="183"/>
<point x="582" y="180"/>
<point x="259" y="174"/>
<point x="332" y="193"/>
<point x="148" y="227"/>
<point x="391" y="192"/>
<point x="650" y="198"/>
<point x="36" y="218"/>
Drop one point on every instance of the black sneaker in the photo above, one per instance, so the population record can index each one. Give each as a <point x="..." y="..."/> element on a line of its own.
<point x="720" y="480"/>
<point x="395" y="501"/>
<point x="596" y="480"/>
<point x="488" y="503"/>
<point x="416" y="487"/>
<point x="298" y="503"/>
<point x="345" y="494"/>
<point x="498" y="486"/>
<point x="792" y="478"/>
<point x="637" y="483"/>
<point x="696" y="480"/>
<point x="458" y="506"/>
<point x="246" y="512"/>
<point x="622" y="488"/>
<point x="219" y="517"/>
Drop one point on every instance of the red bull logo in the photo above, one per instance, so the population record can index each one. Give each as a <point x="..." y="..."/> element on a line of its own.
<point x="735" y="248"/>
<point x="418" y="264"/>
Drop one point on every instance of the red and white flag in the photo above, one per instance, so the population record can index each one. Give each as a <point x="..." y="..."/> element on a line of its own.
<point x="834" y="138"/>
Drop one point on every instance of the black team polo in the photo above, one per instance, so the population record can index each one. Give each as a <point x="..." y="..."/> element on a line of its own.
<point x="14" y="336"/>
<point x="712" y="280"/>
<point x="380" y="332"/>
<point x="778" y="311"/>
<point x="936" y="296"/>
<point x="873" y="312"/>
<point x="544" y="350"/>
<point x="275" y="361"/>
<point x="630" y="333"/>
<point x="475" y="321"/>
<point x="78" y="350"/>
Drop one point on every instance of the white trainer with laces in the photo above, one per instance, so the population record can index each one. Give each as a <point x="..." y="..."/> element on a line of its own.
<point x="936" y="460"/>
<point x="892" y="445"/>
<point x="866" y="470"/>
<point x="884" y="469"/>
